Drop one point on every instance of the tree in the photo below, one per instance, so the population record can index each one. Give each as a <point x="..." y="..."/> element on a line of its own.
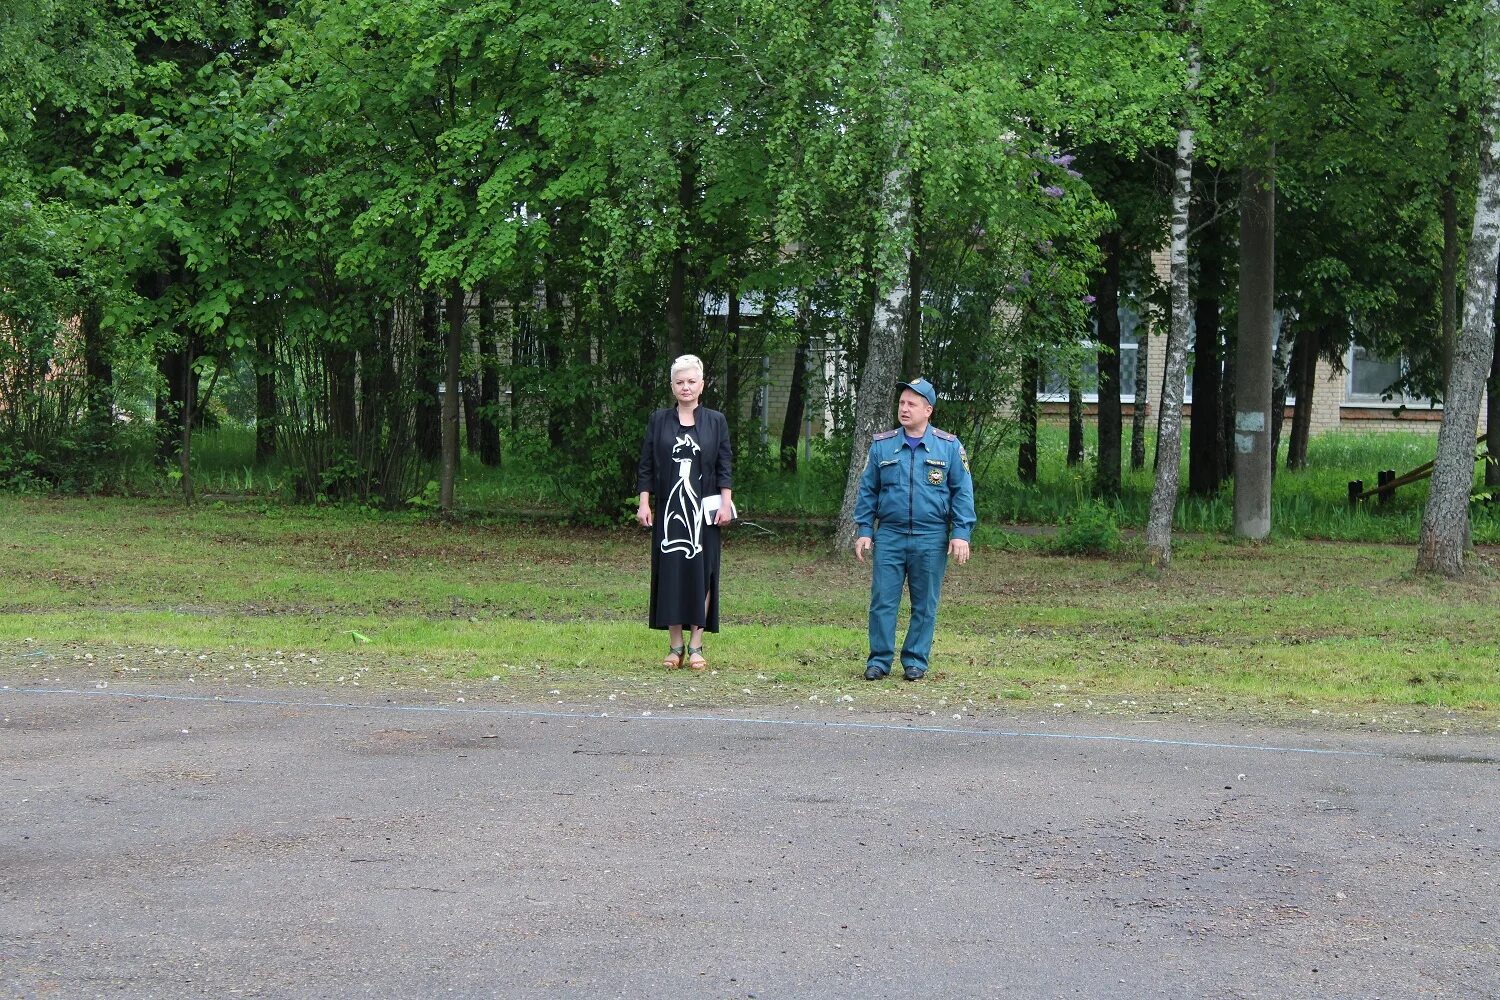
<point x="1169" y="437"/>
<point x="1444" y="537"/>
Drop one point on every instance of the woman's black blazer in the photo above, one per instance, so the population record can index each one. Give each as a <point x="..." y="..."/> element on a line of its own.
<point x="657" y="472"/>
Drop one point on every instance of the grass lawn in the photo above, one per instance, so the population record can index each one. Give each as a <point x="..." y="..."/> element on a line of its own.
<point x="237" y="595"/>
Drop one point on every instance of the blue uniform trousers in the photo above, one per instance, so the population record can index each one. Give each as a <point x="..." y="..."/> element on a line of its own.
<point x="903" y="561"/>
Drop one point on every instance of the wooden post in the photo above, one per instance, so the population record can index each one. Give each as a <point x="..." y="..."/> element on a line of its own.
<point x="1356" y="487"/>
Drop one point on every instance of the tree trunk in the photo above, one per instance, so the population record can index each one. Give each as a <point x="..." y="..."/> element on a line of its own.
<point x="877" y="388"/>
<point x="733" y="373"/>
<point x="471" y="402"/>
<point x="1075" y="422"/>
<point x="1444" y="538"/>
<point x="339" y="357"/>
<point x="1492" y="417"/>
<point x="878" y="374"/>
<point x="488" y="431"/>
<point x="1156" y="452"/>
<point x="1256" y="338"/>
<point x="869" y="296"/>
<point x="189" y="406"/>
<point x="1205" y="450"/>
<point x="1304" y="379"/>
<point x="1449" y="290"/>
<point x="1280" y="381"/>
<point x="1107" y="309"/>
<point x="520" y="328"/>
<point x="452" y="388"/>
<point x="429" y="362"/>
<point x="265" y="394"/>
<point x="1142" y="400"/>
<point x="1026" y="416"/>
<point x="552" y="355"/>
<point x="189" y="384"/>
<point x="1174" y="381"/>
<point x="1226" y="406"/>
<point x="911" y="353"/>
<point x="796" y="401"/>
<point x="98" y="372"/>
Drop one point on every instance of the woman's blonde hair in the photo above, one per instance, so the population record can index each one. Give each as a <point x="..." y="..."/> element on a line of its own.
<point x="684" y="363"/>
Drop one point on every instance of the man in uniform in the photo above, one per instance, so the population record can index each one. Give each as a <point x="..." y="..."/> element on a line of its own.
<point x="916" y="484"/>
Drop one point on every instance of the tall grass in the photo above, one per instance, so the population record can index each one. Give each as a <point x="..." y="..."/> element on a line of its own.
<point x="1309" y="503"/>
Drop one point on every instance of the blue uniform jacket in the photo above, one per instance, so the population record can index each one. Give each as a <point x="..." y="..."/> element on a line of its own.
<point x="924" y="490"/>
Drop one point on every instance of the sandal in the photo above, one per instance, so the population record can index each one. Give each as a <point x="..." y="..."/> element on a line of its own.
<point x="695" y="658"/>
<point x="674" y="657"/>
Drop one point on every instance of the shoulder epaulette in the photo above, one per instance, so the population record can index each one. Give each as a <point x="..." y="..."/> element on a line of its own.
<point x="887" y="435"/>
<point x="944" y="435"/>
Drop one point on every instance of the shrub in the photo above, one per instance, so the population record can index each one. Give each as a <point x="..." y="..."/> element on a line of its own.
<point x="1090" y="529"/>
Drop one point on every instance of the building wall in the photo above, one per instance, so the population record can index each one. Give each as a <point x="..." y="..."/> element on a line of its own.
<point x="774" y="375"/>
<point x="1330" y="409"/>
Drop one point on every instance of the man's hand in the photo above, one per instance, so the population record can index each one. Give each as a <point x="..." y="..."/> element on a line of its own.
<point x="959" y="550"/>
<point x="861" y="546"/>
<point x="643" y="515"/>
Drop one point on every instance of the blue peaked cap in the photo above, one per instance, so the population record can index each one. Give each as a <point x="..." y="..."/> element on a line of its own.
<point x="922" y="388"/>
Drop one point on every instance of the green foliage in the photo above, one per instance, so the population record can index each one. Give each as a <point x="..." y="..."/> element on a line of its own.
<point x="276" y="189"/>
<point x="427" y="500"/>
<point x="1088" y="530"/>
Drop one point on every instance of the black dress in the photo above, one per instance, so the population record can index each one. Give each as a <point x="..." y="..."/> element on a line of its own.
<point x="681" y="466"/>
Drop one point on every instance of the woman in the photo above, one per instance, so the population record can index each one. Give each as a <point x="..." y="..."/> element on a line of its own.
<point x="686" y="463"/>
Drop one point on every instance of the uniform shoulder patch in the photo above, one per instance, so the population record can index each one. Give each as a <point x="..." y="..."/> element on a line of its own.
<point x="944" y="435"/>
<point x="887" y="435"/>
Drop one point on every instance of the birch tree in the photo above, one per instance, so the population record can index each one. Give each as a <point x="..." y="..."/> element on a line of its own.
<point x="877" y="378"/>
<point x="1444" y="538"/>
<point x="1174" y="378"/>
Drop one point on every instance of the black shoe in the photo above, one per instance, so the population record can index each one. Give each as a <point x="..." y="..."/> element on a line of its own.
<point x="873" y="673"/>
<point x="913" y="673"/>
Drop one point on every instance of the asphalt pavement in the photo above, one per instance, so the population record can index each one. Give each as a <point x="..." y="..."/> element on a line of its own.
<point x="155" y="844"/>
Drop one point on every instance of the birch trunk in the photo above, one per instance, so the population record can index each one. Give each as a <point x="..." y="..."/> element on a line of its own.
<point x="1449" y="282"/>
<point x="1252" y="389"/>
<point x="1445" y="521"/>
<point x="878" y="374"/>
<point x="1281" y="372"/>
<point x="1174" y="377"/>
<point x="1492" y="423"/>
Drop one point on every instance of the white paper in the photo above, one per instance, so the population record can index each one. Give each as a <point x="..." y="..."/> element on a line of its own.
<point x="711" y="507"/>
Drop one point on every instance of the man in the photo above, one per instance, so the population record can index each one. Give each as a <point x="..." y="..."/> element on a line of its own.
<point x="916" y="484"/>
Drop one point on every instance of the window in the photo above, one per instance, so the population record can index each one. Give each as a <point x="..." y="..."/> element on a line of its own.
<point x="1055" y="383"/>
<point x="1371" y="378"/>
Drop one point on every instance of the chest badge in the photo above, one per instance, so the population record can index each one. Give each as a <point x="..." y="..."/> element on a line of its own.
<point x="935" y="476"/>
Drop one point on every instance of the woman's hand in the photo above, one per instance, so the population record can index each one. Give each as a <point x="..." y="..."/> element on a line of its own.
<point x="723" y="517"/>
<point x="643" y="514"/>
